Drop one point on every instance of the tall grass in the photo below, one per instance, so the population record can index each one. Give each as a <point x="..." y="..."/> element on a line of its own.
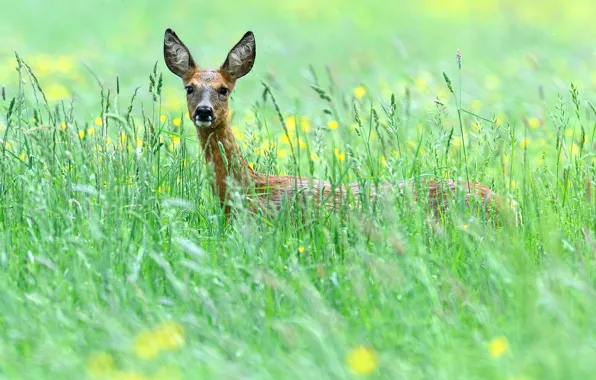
<point x="110" y="230"/>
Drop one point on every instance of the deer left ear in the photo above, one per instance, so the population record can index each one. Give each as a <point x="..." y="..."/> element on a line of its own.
<point x="241" y="58"/>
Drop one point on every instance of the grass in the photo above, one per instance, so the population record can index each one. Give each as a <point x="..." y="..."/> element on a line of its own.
<point x="115" y="258"/>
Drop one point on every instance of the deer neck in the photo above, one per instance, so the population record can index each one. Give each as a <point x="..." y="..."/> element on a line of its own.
<point x="221" y="151"/>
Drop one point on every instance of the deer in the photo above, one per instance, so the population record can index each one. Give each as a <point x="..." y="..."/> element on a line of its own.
<point x="207" y="95"/>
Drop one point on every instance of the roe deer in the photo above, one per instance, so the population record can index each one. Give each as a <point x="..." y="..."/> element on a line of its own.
<point x="207" y="93"/>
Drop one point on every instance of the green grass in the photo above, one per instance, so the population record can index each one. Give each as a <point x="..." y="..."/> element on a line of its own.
<point x="112" y="240"/>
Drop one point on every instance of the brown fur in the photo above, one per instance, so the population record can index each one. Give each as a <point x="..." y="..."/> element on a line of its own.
<point x="267" y="192"/>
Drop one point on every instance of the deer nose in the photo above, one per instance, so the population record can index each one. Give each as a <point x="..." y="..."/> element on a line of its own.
<point x="204" y="113"/>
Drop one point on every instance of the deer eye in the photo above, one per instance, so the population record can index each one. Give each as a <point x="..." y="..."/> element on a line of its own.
<point x="189" y="89"/>
<point x="223" y="91"/>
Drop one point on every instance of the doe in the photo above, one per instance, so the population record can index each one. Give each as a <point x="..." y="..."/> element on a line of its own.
<point x="207" y="94"/>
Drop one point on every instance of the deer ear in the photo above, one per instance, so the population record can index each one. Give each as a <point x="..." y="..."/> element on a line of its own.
<point x="241" y="58"/>
<point x="176" y="55"/>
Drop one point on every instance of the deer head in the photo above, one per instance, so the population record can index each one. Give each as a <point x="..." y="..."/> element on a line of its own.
<point x="207" y="91"/>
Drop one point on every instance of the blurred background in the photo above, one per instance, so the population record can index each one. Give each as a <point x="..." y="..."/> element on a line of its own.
<point x="510" y="48"/>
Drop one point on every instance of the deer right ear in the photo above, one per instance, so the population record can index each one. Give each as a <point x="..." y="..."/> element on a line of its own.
<point x="176" y="55"/>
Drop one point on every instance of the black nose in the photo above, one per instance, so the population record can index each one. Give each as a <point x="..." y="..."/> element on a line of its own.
<point x="204" y="113"/>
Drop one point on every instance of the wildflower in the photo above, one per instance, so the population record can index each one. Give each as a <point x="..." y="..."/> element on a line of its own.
<point x="534" y="123"/>
<point x="476" y="105"/>
<point x="465" y="226"/>
<point x="145" y="345"/>
<point x="285" y="139"/>
<point x="177" y="122"/>
<point x="300" y="249"/>
<point x="383" y="161"/>
<point x="56" y="92"/>
<point x="290" y="123"/>
<point x="314" y="157"/>
<point x="362" y="360"/>
<point x="333" y="124"/>
<point x="340" y="156"/>
<point x="139" y="143"/>
<point x="305" y="124"/>
<point x="282" y="153"/>
<point x="22" y="156"/>
<point x="184" y="162"/>
<point x="63" y="126"/>
<point x="91" y="131"/>
<point x="175" y="140"/>
<point x="238" y="133"/>
<point x="251" y="165"/>
<point x="169" y="336"/>
<point x="81" y="134"/>
<point x="108" y="140"/>
<point x="100" y="364"/>
<point x="498" y="347"/>
<point x="122" y="139"/>
<point x="513" y="184"/>
<point x="524" y="143"/>
<point x="98" y="121"/>
<point x="162" y="119"/>
<point x="359" y="92"/>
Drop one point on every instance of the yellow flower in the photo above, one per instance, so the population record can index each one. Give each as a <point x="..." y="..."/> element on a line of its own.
<point x="498" y="347"/>
<point x="457" y="142"/>
<point x="533" y="122"/>
<point x="63" y="126"/>
<point x="251" y="165"/>
<point x="146" y="345"/>
<point x="465" y="226"/>
<point x="169" y="336"/>
<point x="300" y="249"/>
<point x="108" y="140"/>
<point x="139" y="143"/>
<point x="122" y="138"/>
<point x="128" y="375"/>
<point x="362" y="360"/>
<point x="500" y="119"/>
<point x="513" y="185"/>
<point x="162" y="118"/>
<point x="22" y="156"/>
<point x="285" y="139"/>
<point x="282" y="153"/>
<point x="100" y="364"/>
<point x="184" y="162"/>
<point x="56" y="92"/>
<point x="98" y="121"/>
<point x="569" y="132"/>
<point x="574" y="149"/>
<point x="524" y="143"/>
<point x="359" y="92"/>
<point x="314" y="157"/>
<point x="238" y="133"/>
<point x="91" y="131"/>
<point x="290" y="123"/>
<point x="175" y="140"/>
<point x="81" y="134"/>
<point x="177" y="122"/>
<point x="340" y="156"/>
<point x="476" y="105"/>
<point x="333" y="124"/>
<point x="305" y="124"/>
<point x="383" y="160"/>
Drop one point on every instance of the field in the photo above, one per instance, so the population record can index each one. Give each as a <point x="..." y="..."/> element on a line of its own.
<point x="117" y="261"/>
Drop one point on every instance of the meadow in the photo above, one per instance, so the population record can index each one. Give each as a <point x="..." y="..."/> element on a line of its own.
<point x="117" y="262"/>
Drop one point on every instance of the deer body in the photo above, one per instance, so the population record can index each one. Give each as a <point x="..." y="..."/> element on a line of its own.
<point x="207" y="99"/>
